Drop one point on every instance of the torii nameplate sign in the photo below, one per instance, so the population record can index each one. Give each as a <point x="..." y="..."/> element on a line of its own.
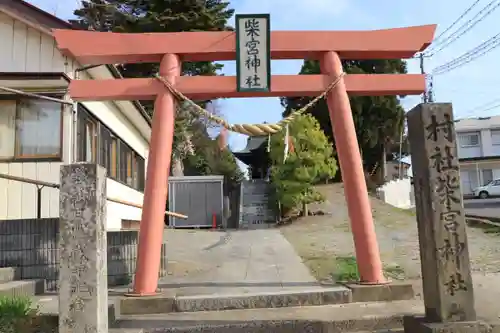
<point x="253" y="52"/>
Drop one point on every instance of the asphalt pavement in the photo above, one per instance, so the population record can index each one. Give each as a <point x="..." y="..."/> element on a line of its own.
<point x="483" y="207"/>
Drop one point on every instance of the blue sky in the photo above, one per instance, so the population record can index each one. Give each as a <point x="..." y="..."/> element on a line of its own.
<point x="467" y="87"/>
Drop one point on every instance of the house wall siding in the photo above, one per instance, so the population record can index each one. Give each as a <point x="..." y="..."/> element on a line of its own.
<point x="25" y="49"/>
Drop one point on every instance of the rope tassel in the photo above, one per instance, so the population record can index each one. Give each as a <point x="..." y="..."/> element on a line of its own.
<point x="287" y="141"/>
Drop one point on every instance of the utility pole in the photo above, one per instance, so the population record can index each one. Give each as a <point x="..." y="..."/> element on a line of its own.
<point x="431" y="89"/>
<point x="422" y="71"/>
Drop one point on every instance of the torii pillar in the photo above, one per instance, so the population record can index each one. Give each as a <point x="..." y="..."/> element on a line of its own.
<point x="328" y="47"/>
<point x="153" y="208"/>
<point x="353" y="177"/>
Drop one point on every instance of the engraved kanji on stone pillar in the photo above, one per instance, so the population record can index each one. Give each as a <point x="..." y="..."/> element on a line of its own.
<point x="447" y="282"/>
<point x="83" y="286"/>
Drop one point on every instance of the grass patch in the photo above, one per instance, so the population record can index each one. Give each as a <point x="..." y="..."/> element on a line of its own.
<point x="321" y="266"/>
<point x="346" y="269"/>
<point x="411" y="211"/>
<point x="15" y="307"/>
<point x="492" y="230"/>
<point x="395" y="272"/>
<point x="14" y="313"/>
<point x="18" y="315"/>
<point x="329" y="268"/>
<point x="483" y="224"/>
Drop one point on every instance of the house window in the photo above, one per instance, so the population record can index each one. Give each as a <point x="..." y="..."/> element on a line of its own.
<point x="105" y="148"/>
<point x="468" y="140"/>
<point x="86" y="137"/>
<point x="495" y="137"/>
<point x="129" y="168"/>
<point x="487" y="176"/>
<point x="113" y="172"/>
<point x="30" y="129"/>
<point x="97" y="143"/>
<point x="123" y="154"/>
<point x="139" y="173"/>
<point x="470" y="180"/>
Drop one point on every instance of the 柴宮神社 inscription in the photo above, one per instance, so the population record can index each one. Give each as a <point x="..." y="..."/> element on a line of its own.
<point x="253" y="57"/>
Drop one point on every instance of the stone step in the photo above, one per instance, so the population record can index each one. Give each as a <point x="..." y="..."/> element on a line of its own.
<point x="7" y="274"/>
<point x="141" y="330"/>
<point x="352" y="317"/>
<point x="48" y="310"/>
<point x="333" y="294"/>
<point x="22" y="288"/>
<point x="218" y="302"/>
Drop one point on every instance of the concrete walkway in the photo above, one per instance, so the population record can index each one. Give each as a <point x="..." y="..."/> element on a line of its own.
<point x="203" y="262"/>
<point x="206" y="262"/>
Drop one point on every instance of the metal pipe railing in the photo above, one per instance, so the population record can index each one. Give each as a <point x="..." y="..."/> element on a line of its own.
<point x="41" y="184"/>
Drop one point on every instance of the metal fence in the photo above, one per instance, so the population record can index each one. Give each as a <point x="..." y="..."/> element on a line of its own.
<point x="257" y="208"/>
<point x="198" y="197"/>
<point x="31" y="246"/>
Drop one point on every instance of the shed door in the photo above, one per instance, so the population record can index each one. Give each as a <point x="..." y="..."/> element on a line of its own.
<point x="199" y="201"/>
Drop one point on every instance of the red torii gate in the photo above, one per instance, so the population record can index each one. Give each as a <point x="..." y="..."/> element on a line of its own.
<point x="169" y="49"/>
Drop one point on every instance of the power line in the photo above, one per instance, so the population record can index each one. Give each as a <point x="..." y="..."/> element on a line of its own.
<point x="484" y="110"/>
<point x="469" y="56"/>
<point x="485" y="107"/>
<point x="491" y="108"/>
<point x="466" y="27"/>
<point x="457" y="20"/>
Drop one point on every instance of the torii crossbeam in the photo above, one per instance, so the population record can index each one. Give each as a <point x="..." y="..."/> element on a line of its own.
<point x="169" y="49"/>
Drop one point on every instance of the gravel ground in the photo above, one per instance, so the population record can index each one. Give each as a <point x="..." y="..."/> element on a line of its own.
<point x="319" y="239"/>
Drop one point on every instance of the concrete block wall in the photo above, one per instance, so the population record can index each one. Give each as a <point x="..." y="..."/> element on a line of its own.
<point x="30" y="246"/>
<point x="398" y="193"/>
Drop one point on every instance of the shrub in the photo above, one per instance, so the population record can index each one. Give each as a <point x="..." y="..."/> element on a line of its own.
<point x="311" y="162"/>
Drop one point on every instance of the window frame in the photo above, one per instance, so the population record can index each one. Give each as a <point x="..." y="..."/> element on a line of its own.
<point x="94" y="139"/>
<point x="114" y="158"/>
<point x="483" y="171"/>
<point x="115" y="154"/>
<point x="84" y="114"/>
<point x="469" y="134"/>
<point x="19" y="158"/>
<point x="495" y="132"/>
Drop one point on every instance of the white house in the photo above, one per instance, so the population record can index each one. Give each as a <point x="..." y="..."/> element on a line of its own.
<point x="478" y="141"/>
<point x="37" y="136"/>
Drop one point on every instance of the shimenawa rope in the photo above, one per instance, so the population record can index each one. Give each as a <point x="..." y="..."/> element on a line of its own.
<point x="248" y="129"/>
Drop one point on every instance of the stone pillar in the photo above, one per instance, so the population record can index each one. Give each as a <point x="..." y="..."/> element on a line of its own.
<point x="447" y="282"/>
<point x="83" y="287"/>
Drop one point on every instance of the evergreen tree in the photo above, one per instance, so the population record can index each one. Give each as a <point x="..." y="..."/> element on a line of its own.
<point x="378" y="119"/>
<point x="156" y="16"/>
<point x="141" y="16"/>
